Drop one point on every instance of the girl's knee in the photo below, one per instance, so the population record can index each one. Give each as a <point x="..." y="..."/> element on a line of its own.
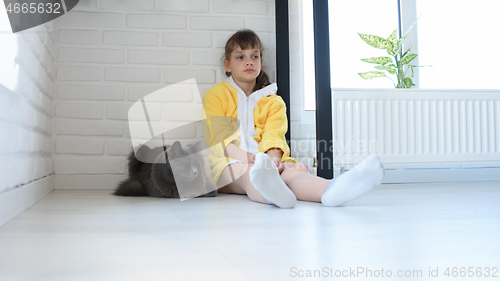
<point x="302" y="167"/>
<point x="234" y="175"/>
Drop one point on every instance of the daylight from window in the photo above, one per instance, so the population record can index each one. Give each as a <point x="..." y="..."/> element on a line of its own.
<point x="459" y="39"/>
<point x="346" y="20"/>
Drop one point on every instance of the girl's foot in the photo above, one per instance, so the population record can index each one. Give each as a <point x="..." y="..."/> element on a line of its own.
<point x="265" y="177"/>
<point x="355" y="182"/>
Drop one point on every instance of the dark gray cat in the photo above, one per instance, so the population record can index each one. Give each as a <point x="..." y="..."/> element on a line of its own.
<point x="157" y="180"/>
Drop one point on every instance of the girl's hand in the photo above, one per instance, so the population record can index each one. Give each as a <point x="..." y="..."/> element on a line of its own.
<point x="280" y="165"/>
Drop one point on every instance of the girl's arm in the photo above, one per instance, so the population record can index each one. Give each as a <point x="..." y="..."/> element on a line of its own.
<point x="219" y="130"/>
<point x="275" y="153"/>
<point x="273" y="138"/>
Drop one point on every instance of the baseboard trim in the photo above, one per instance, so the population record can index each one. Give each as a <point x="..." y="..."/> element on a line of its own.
<point x="442" y="175"/>
<point x="15" y="201"/>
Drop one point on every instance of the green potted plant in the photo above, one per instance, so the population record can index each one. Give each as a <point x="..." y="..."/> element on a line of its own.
<point x="397" y="64"/>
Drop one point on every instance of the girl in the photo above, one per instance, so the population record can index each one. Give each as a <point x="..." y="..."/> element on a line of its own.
<point x="245" y="129"/>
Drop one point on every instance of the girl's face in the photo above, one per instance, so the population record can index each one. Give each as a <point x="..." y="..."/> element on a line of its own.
<point x="244" y="65"/>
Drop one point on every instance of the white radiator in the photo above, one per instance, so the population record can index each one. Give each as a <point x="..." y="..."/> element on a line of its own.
<point x="416" y="126"/>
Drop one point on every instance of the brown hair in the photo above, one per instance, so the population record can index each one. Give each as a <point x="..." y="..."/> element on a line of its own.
<point x="246" y="38"/>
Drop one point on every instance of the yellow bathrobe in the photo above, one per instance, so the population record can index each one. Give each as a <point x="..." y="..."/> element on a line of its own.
<point x="254" y="123"/>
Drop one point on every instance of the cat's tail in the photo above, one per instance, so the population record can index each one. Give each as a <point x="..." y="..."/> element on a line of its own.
<point x="130" y="187"/>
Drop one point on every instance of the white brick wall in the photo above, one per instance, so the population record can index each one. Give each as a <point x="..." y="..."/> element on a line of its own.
<point x="91" y="92"/>
<point x="27" y="92"/>
<point x="186" y="6"/>
<point x="240" y="7"/>
<point x="149" y="21"/>
<point x="79" y="37"/>
<point x="90" y="55"/>
<point x="84" y="19"/>
<point x="217" y="23"/>
<point x="128" y="5"/>
<point x="3" y="176"/>
<point x="111" y="53"/>
<point x="129" y="74"/>
<point x="72" y="145"/>
<point x="79" y="110"/>
<point x="303" y="126"/>
<point x="158" y="57"/>
<point x="126" y="38"/>
<point x="183" y="39"/>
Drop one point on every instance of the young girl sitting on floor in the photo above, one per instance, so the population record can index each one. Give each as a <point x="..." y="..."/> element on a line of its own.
<point x="245" y="130"/>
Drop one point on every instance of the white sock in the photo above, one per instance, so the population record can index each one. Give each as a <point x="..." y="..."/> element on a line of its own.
<point x="355" y="182"/>
<point x="265" y="177"/>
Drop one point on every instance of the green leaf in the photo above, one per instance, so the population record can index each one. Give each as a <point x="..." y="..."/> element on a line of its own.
<point x="408" y="58"/>
<point x="412" y="73"/>
<point x="400" y="42"/>
<point x="393" y="37"/>
<point x="372" y="74"/>
<point x="405" y="53"/>
<point x="376" y="41"/>
<point x="378" y="60"/>
<point x="408" y="82"/>
<point x="390" y="68"/>
<point x="411" y="26"/>
<point x="394" y="40"/>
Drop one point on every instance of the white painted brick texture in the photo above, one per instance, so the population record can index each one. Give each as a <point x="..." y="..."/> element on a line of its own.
<point x="214" y="23"/>
<point x="91" y="92"/>
<point x="89" y="165"/>
<point x="79" y="110"/>
<point x="303" y="134"/>
<point x="186" y="6"/>
<point x="90" y="55"/>
<point x="112" y="53"/>
<point x="156" y="21"/>
<point x="83" y="19"/>
<point x="183" y="39"/>
<point x="88" y="146"/>
<point x="240" y="7"/>
<point x="85" y="4"/>
<point x="78" y="37"/>
<point x="158" y="57"/>
<point x="119" y="147"/>
<point x="26" y="106"/>
<point x="3" y="176"/>
<point x="178" y="95"/>
<point x="128" y="5"/>
<point x="127" y="74"/>
<point x="125" y="38"/>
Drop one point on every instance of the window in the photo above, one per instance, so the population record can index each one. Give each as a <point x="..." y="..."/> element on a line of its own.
<point x="458" y="38"/>
<point x="308" y="55"/>
<point x="346" y="20"/>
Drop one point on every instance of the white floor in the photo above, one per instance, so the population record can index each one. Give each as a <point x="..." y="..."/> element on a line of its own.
<point x="91" y="235"/>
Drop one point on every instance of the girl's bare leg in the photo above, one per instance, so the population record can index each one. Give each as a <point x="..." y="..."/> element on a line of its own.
<point x="239" y="182"/>
<point x="305" y="186"/>
<point x="296" y="176"/>
<point x="356" y="182"/>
